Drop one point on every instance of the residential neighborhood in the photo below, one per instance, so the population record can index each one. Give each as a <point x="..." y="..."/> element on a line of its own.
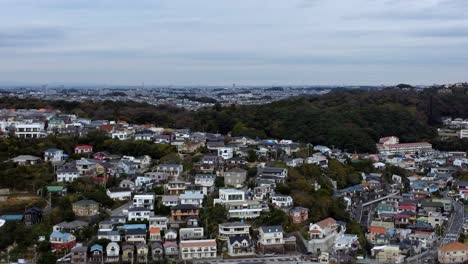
<point x="232" y="199"/>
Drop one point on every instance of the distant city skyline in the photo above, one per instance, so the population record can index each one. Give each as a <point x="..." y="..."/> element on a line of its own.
<point x="221" y="42"/>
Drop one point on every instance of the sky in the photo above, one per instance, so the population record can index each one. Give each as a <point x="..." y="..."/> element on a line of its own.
<point x="221" y="42"/>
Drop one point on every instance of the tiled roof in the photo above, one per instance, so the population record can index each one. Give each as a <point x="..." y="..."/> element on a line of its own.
<point x="454" y="246"/>
<point x="326" y="222"/>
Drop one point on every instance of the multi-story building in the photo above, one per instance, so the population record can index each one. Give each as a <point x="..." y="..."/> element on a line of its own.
<point x="232" y="229"/>
<point x="237" y="205"/>
<point x="299" y="215"/>
<point x="283" y="201"/>
<point x="198" y="249"/>
<point x="270" y="239"/>
<point x="322" y="235"/>
<point x="454" y="252"/>
<point x="67" y="174"/>
<point x="144" y="200"/>
<point x="85" y="208"/>
<point x="175" y="187"/>
<point x="191" y="197"/>
<point x="79" y="255"/>
<point x="183" y="211"/>
<point x="158" y="222"/>
<point x="30" y="130"/>
<point x="173" y="170"/>
<point x="191" y="233"/>
<point x="273" y="174"/>
<point x="235" y="177"/>
<point x="139" y="214"/>
<point x="392" y="145"/>
<point x="53" y="155"/>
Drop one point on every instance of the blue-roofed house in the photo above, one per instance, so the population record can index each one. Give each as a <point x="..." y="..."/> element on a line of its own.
<point x="59" y="240"/>
<point x="97" y="255"/>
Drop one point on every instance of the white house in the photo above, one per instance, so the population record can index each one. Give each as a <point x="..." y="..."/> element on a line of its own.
<point x="283" y="201"/>
<point x="237" y="205"/>
<point x="144" y="200"/>
<point x="198" y="249"/>
<point x="53" y="155"/>
<point x="232" y="229"/>
<point x="67" y="174"/>
<point x="139" y="214"/>
<point x="158" y="222"/>
<point x="119" y="194"/>
<point x="225" y="152"/>
<point x="191" y="197"/>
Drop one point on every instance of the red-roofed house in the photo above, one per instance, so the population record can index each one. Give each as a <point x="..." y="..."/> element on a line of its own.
<point x="322" y="235"/>
<point x="83" y="149"/>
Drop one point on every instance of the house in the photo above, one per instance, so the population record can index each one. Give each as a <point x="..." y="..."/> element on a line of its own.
<point x="207" y="181"/>
<point x="294" y="162"/>
<point x="240" y="246"/>
<point x="127" y="184"/>
<point x="139" y="214"/>
<point x="25" y="160"/>
<point x="191" y="233"/>
<point x="113" y="236"/>
<point x="157" y="177"/>
<point x="144" y="200"/>
<point x="86" y="167"/>
<point x="106" y="225"/>
<point x="235" y="177"/>
<point x="135" y="235"/>
<point x="83" y="149"/>
<point x="146" y="135"/>
<point x="273" y="174"/>
<point x="378" y="235"/>
<point x="112" y="252"/>
<point x="30" y="130"/>
<point x="299" y="215"/>
<point x="142" y="252"/>
<point x="282" y="201"/>
<point x="53" y="155"/>
<point x="170" y="235"/>
<point x="155" y="234"/>
<point x="171" y="249"/>
<point x="237" y="205"/>
<point x="225" y="152"/>
<point x="72" y="226"/>
<point x="97" y="254"/>
<point x="32" y="216"/>
<point x="388" y="254"/>
<point x="59" y="240"/>
<point x="119" y="194"/>
<point x="157" y="251"/>
<point x="232" y="229"/>
<point x="181" y="212"/>
<point x="192" y="197"/>
<point x="170" y="200"/>
<point x="271" y="240"/>
<point x="454" y="252"/>
<point x="175" y="187"/>
<point x="345" y="243"/>
<point x="128" y="253"/>
<point x="79" y="255"/>
<point x="173" y="170"/>
<point x="85" y="208"/>
<point x="198" y="249"/>
<point x="425" y="238"/>
<point x="65" y="174"/>
<point x="322" y="235"/>
<point x="158" y="222"/>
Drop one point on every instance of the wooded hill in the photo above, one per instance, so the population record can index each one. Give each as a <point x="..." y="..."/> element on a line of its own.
<point x="348" y="119"/>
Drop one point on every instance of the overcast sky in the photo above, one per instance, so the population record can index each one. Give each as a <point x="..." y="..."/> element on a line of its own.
<point x="258" y="42"/>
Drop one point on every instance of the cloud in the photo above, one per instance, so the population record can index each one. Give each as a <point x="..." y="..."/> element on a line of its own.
<point x="184" y="41"/>
<point x="30" y="37"/>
